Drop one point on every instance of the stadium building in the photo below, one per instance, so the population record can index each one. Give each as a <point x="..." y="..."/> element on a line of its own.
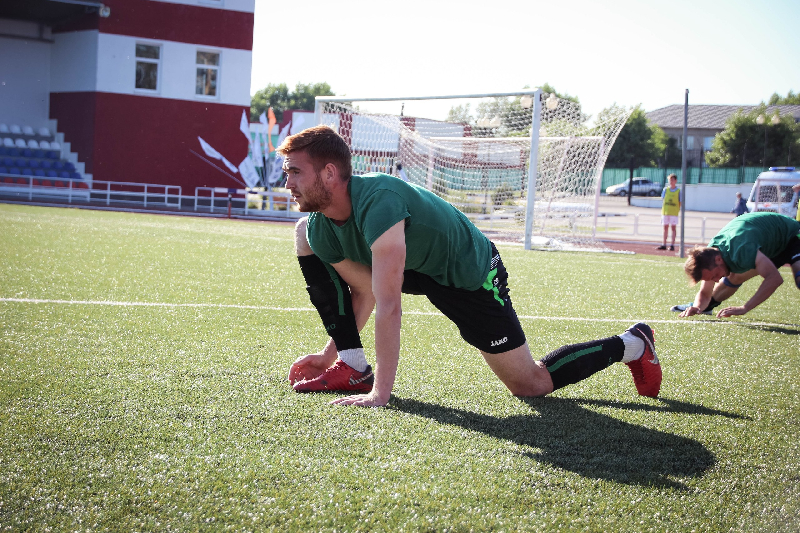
<point x="121" y="90"/>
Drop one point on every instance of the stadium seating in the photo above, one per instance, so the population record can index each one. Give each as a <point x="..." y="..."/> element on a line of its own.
<point x="31" y="156"/>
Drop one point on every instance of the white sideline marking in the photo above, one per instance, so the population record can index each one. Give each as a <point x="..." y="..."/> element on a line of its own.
<point x="414" y="313"/>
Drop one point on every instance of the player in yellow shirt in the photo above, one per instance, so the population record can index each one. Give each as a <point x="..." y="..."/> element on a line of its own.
<point x="670" y="210"/>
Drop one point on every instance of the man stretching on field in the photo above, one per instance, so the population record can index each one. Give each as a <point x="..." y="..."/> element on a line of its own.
<point x="753" y="244"/>
<point x="370" y="238"/>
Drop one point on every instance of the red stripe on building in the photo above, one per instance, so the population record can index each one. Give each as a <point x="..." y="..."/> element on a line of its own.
<point x="194" y="24"/>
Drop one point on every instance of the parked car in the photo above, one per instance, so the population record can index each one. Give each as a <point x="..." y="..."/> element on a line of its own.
<point x="641" y="187"/>
<point x="772" y="191"/>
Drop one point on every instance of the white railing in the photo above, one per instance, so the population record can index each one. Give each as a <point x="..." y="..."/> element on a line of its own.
<point x="696" y="228"/>
<point x="278" y="203"/>
<point x="126" y="191"/>
<point x="33" y="186"/>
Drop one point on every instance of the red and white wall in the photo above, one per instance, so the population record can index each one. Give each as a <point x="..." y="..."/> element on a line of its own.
<point x="123" y="133"/>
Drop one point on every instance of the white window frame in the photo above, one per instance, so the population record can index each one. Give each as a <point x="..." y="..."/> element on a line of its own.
<point x="217" y="67"/>
<point x="158" y="62"/>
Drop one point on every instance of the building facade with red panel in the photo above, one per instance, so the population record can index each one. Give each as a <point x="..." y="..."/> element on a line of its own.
<point x="132" y="84"/>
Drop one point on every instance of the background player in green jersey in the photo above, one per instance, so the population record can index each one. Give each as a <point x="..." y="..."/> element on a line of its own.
<point x="371" y="238"/>
<point x="754" y="244"/>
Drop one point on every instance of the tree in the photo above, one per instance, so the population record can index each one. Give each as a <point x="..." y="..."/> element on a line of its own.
<point x="789" y="99"/>
<point x="637" y="141"/>
<point x="507" y="110"/>
<point x="280" y="98"/>
<point x="745" y="142"/>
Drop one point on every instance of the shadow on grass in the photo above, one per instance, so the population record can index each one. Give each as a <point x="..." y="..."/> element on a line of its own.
<point x="770" y="329"/>
<point x="563" y="433"/>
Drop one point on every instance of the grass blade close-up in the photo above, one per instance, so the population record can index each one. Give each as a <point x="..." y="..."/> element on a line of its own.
<point x="143" y="365"/>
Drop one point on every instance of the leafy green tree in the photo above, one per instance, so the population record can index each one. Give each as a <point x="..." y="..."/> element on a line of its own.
<point x="789" y="99"/>
<point x="745" y="142"/>
<point x="507" y="110"/>
<point x="638" y="141"/>
<point x="547" y="88"/>
<point x="280" y="98"/>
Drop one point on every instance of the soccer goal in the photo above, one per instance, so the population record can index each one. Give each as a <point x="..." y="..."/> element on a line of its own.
<point x="523" y="166"/>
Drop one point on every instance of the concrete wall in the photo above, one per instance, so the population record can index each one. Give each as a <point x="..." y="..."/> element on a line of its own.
<point x="24" y="74"/>
<point x="703" y="197"/>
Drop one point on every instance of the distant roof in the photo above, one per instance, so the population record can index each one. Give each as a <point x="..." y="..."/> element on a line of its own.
<point x="711" y="116"/>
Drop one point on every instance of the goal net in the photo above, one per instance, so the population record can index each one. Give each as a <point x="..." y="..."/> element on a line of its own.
<point x="476" y="153"/>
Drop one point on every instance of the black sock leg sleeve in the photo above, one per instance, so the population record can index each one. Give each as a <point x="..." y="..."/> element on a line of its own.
<point x="576" y="362"/>
<point x="331" y="296"/>
<point x="711" y="305"/>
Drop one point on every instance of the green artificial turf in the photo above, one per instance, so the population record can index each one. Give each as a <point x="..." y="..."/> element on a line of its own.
<point x="174" y="414"/>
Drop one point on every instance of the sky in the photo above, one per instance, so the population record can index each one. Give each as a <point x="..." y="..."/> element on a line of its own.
<point x="628" y="52"/>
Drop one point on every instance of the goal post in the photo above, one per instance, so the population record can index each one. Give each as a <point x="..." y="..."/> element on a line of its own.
<point x="523" y="166"/>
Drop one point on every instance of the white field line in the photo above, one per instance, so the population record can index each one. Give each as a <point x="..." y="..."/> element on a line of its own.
<point x="412" y="313"/>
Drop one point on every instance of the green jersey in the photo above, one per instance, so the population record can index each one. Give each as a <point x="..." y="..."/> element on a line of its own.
<point x="745" y="235"/>
<point x="440" y="241"/>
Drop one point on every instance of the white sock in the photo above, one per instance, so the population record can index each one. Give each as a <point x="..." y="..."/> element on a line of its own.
<point x="634" y="347"/>
<point x="354" y="357"/>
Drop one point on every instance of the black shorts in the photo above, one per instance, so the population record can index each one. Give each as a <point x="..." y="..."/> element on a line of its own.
<point x="790" y="254"/>
<point x="484" y="317"/>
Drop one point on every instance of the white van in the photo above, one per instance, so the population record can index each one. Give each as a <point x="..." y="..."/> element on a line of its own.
<point x="772" y="191"/>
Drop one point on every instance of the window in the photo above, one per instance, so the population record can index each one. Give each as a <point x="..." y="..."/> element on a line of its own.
<point x="207" y="73"/>
<point x="708" y="142"/>
<point x="148" y="59"/>
<point x="689" y="142"/>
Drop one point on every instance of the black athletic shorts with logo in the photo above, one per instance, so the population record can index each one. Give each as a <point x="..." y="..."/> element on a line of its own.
<point x="790" y="254"/>
<point x="484" y="317"/>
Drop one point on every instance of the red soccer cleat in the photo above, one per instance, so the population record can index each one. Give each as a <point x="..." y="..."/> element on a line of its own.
<point x="646" y="370"/>
<point x="339" y="377"/>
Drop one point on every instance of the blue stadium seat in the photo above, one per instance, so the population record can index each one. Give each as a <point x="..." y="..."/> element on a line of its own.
<point x="63" y="174"/>
<point x="45" y="164"/>
<point x="27" y="172"/>
<point x="3" y="170"/>
<point x="75" y="175"/>
<point x="58" y="165"/>
<point x="39" y="154"/>
<point x="22" y="162"/>
<point x="54" y="155"/>
<point x="27" y="152"/>
<point x="8" y="162"/>
<point x="2" y="150"/>
<point x="12" y="152"/>
<point x="15" y="171"/>
<point x="39" y="173"/>
<point x="69" y="166"/>
<point x="34" y="163"/>
<point x="51" y="174"/>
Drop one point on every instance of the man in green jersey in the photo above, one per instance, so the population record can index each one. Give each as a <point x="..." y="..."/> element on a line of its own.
<point x="753" y="244"/>
<point x="370" y="238"/>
